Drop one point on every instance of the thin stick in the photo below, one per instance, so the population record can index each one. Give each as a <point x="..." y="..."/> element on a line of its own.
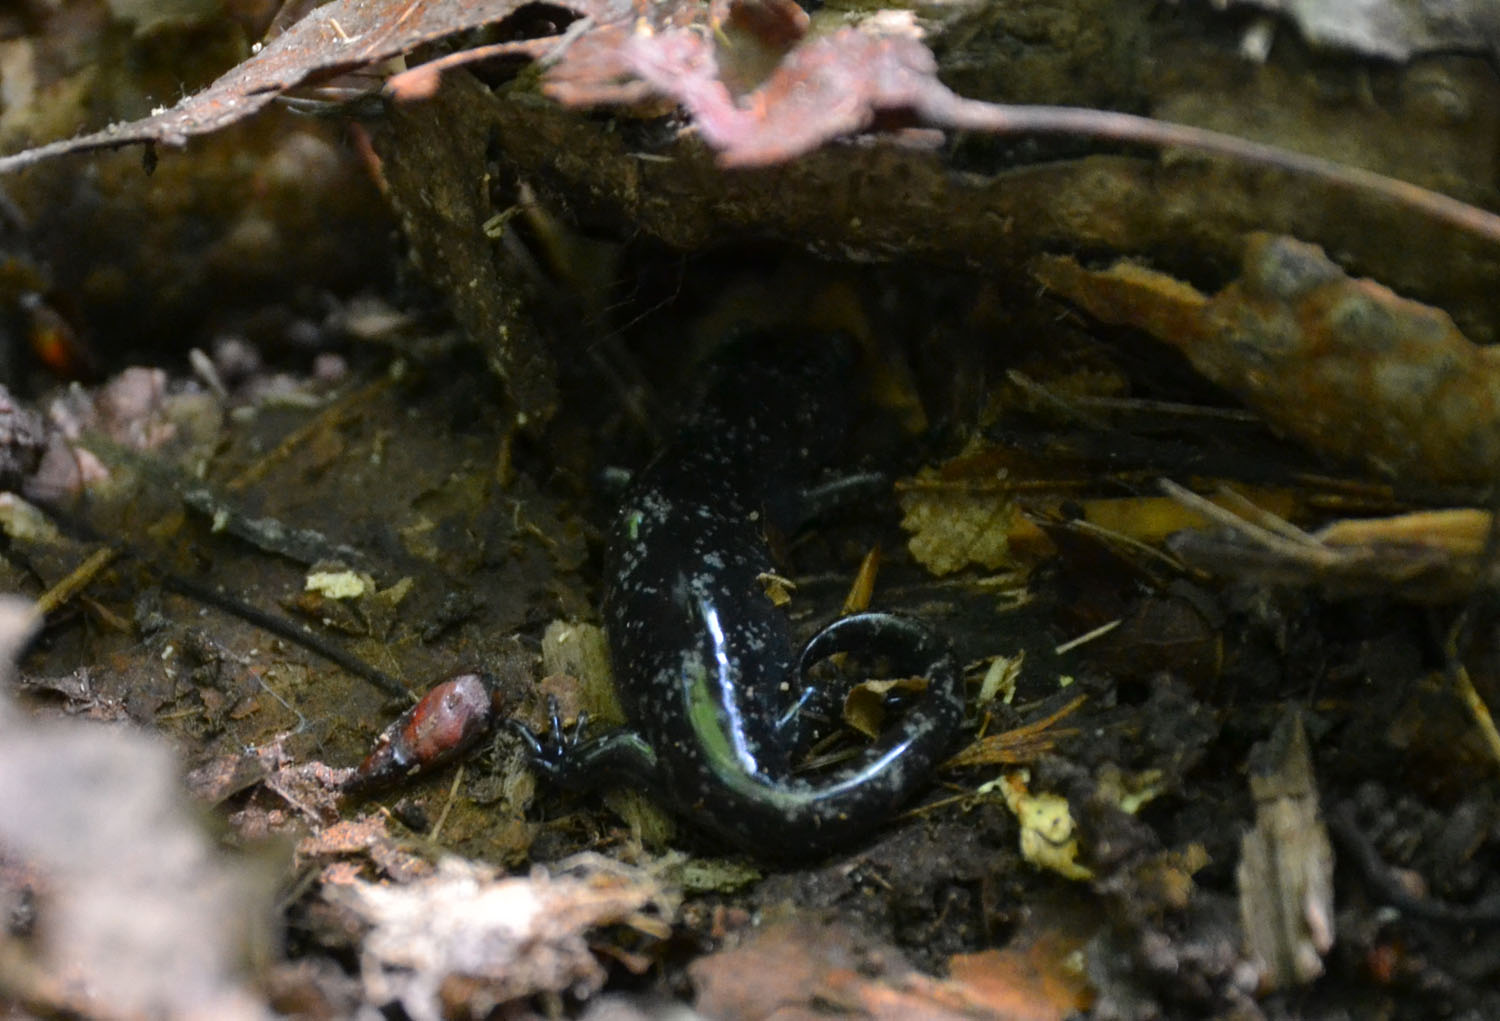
<point x="76" y="580"/>
<point x="437" y="827"/>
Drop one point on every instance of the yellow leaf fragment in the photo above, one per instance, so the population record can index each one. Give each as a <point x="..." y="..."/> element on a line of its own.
<point x="337" y="584"/>
<point x="1049" y="836"/>
<point x="777" y="589"/>
<point x="864" y="706"/>
<point x="954" y="526"/>
<point x="1000" y="679"/>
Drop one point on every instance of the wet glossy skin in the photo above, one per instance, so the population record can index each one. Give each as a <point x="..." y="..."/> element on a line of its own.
<point x="705" y="662"/>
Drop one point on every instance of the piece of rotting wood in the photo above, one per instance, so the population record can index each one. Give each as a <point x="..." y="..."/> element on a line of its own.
<point x="1285" y="875"/>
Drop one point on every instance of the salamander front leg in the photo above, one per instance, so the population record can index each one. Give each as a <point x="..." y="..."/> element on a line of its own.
<point x="572" y="763"/>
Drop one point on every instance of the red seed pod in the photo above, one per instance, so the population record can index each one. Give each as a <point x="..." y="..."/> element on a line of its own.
<point x="447" y="722"/>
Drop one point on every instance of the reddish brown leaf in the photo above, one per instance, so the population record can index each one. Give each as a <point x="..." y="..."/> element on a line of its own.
<point x="829" y="86"/>
<point x="1034" y="982"/>
<point x="803" y="970"/>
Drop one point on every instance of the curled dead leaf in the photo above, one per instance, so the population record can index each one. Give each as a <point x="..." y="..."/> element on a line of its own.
<point x="1344" y="365"/>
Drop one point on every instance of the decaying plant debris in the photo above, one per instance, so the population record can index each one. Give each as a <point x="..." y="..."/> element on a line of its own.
<point x="1189" y="417"/>
<point x="1345" y="366"/>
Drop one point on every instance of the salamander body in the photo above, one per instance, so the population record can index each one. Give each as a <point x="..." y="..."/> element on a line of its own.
<point x="710" y="679"/>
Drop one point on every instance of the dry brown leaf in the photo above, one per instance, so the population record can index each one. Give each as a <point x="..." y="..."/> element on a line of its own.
<point x="1343" y="365"/>
<point x="336" y="37"/>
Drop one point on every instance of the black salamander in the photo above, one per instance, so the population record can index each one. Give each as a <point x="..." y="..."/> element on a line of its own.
<point x="716" y="694"/>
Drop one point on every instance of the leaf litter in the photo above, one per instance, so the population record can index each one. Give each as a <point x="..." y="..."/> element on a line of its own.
<point x="823" y="88"/>
<point x="506" y="938"/>
<point x="895" y="80"/>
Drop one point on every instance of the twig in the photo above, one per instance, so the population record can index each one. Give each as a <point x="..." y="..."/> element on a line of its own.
<point x="437" y="827"/>
<point x="76" y="580"/>
<point x="283" y="628"/>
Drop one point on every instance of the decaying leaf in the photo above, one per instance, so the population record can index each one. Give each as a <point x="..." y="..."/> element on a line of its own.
<point x="1343" y="365"/>
<point x="864" y="706"/>
<point x="824" y="87"/>
<point x="1049" y="836"/>
<point x="829" y="86"/>
<point x="801" y="969"/>
<point x="957" y="522"/>
<point x="498" y="938"/>
<point x="1035" y="978"/>
<point x="369" y="837"/>
<point x="308" y="789"/>
<point x="339" y="36"/>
